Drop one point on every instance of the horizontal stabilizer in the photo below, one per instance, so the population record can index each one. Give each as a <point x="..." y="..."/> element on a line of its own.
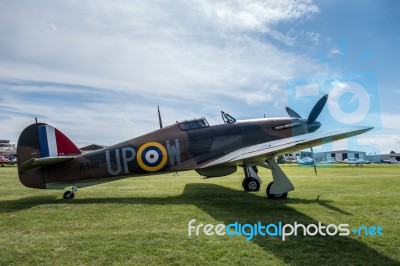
<point x="35" y="162"/>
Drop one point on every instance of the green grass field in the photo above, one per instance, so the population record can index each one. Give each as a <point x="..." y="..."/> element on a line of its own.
<point x="144" y="220"/>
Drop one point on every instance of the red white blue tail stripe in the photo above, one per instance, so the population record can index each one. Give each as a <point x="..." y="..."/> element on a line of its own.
<point x="54" y="143"/>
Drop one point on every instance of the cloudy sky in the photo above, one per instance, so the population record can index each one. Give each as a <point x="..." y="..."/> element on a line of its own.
<point x="98" y="69"/>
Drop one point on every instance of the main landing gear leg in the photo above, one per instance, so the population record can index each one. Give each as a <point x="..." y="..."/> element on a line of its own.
<point x="252" y="181"/>
<point x="70" y="194"/>
<point x="281" y="184"/>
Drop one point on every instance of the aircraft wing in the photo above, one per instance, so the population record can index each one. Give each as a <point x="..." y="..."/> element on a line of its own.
<point x="260" y="152"/>
<point x="34" y="162"/>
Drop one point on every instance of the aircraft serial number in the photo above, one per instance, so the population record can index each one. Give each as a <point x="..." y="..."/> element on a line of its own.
<point x="89" y="165"/>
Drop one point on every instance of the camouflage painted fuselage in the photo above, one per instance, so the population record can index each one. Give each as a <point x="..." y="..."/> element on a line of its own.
<point x="170" y="149"/>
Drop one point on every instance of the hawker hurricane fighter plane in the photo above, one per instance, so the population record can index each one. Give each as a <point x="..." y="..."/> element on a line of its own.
<point x="47" y="159"/>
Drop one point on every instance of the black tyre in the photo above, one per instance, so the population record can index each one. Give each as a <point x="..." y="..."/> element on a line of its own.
<point x="251" y="184"/>
<point x="275" y="196"/>
<point x="68" y="195"/>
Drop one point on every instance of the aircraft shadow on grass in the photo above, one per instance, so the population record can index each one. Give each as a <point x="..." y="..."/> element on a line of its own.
<point x="228" y="205"/>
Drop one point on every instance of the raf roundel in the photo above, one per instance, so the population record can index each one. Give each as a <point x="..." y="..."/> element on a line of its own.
<point x="152" y="156"/>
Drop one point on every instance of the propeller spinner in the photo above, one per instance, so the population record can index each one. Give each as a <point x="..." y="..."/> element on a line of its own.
<point x="312" y="123"/>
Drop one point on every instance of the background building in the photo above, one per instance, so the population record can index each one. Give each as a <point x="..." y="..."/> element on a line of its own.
<point x="7" y="148"/>
<point x="91" y="147"/>
<point x="292" y="156"/>
<point x="392" y="157"/>
<point x="339" y="155"/>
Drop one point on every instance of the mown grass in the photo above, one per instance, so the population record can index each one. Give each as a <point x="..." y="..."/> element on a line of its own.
<point x="143" y="220"/>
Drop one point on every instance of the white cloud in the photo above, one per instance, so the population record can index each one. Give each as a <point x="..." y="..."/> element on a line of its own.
<point x="258" y="15"/>
<point x="191" y="55"/>
<point x="390" y="121"/>
<point x="131" y="46"/>
<point x="315" y="37"/>
<point x="334" y="52"/>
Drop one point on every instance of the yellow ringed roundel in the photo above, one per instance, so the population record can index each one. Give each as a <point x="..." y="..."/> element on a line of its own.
<point x="152" y="156"/>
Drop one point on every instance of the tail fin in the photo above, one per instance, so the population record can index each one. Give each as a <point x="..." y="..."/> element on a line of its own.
<point x="54" y="143"/>
<point x="40" y="141"/>
<point x="298" y="159"/>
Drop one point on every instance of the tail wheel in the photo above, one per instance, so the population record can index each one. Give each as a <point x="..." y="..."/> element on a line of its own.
<point x="251" y="184"/>
<point x="275" y="196"/>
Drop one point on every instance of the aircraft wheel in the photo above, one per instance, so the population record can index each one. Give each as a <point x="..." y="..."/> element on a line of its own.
<point x="251" y="184"/>
<point x="275" y="196"/>
<point x="68" y="195"/>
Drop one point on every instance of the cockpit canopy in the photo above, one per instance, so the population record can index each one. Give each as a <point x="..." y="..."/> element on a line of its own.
<point x="193" y="124"/>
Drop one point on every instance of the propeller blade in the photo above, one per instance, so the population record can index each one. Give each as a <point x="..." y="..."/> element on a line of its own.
<point x="292" y="113"/>
<point x="312" y="156"/>
<point x="317" y="109"/>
